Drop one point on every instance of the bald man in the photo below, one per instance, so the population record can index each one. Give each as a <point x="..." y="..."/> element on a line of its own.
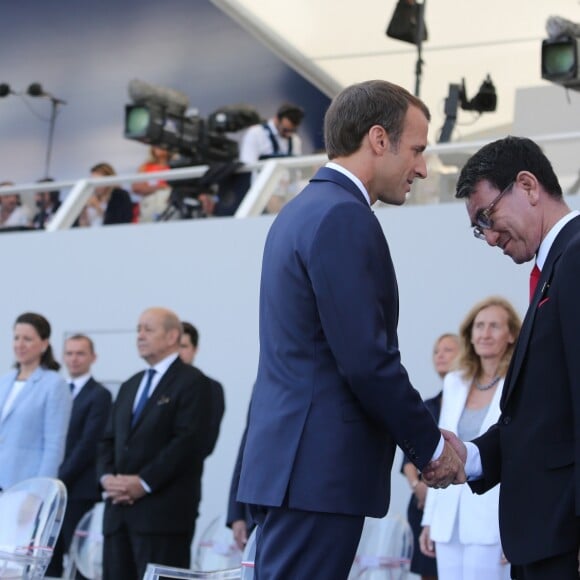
<point x="151" y="457"/>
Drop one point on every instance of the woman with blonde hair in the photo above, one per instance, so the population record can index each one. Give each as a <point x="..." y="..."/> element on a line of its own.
<point x="460" y="527"/>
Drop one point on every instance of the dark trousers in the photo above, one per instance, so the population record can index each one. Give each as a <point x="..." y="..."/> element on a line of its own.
<point x="75" y="510"/>
<point x="561" y="567"/>
<point x="296" y="545"/>
<point x="126" y="554"/>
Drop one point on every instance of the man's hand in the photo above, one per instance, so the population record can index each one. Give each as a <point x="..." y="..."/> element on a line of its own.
<point x="123" y="489"/>
<point x="447" y="469"/>
<point x="240" y="531"/>
<point x="456" y="443"/>
<point x="426" y="545"/>
<point x="133" y="487"/>
<point x="115" y="489"/>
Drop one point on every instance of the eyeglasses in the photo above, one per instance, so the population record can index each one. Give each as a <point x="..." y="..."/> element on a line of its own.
<point x="483" y="219"/>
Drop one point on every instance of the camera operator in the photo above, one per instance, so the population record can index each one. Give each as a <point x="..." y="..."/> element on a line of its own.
<point x="275" y="138"/>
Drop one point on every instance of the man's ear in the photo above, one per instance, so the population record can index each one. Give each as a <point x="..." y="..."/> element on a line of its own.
<point x="530" y="184"/>
<point x="378" y="139"/>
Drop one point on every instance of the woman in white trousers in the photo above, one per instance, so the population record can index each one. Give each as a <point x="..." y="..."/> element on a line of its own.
<point x="462" y="528"/>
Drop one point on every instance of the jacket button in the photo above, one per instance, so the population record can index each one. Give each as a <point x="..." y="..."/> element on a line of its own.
<point x="506" y="420"/>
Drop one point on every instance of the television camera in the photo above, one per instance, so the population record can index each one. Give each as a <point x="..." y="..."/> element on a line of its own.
<point x="160" y="116"/>
<point x="561" y="53"/>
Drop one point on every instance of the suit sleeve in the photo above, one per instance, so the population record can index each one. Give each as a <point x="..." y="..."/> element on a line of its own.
<point x="84" y="451"/>
<point x="56" y="420"/>
<point x="355" y="287"/>
<point x="106" y="446"/>
<point x="217" y="412"/>
<point x="568" y="294"/>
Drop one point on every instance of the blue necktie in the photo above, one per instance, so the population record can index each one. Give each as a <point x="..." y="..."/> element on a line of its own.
<point x="143" y="398"/>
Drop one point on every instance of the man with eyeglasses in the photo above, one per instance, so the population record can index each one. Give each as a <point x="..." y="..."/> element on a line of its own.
<point x="514" y="202"/>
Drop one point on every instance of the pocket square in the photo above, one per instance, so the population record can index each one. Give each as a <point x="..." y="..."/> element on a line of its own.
<point x="163" y="400"/>
<point x="542" y="302"/>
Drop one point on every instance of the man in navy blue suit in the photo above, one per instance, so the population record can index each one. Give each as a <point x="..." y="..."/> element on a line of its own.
<point x="332" y="400"/>
<point x="78" y="471"/>
<point x="514" y="202"/>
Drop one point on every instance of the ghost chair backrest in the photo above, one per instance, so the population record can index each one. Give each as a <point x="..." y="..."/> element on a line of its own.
<point x="249" y="556"/>
<point x="86" y="549"/>
<point x="386" y="546"/>
<point x="157" y="571"/>
<point x="31" y="513"/>
<point x="216" y="548"/>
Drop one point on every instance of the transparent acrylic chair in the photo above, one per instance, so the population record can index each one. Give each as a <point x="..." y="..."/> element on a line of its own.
<point x="86" y="549"/>
<point x="384" y="551"/>
<point x="31" y="514"/>
<point x="216" y="548"/>
<point x="243" y="572"/>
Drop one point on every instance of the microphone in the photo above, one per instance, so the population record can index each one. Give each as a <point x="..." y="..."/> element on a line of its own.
<point x="36" y="90"/>
<point x="557" y="26"/>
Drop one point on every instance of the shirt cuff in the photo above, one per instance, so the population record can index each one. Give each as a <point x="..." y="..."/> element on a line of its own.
<point x="438" y="449"/>
<point x="473" y="466"/>
<point x="145" y="486"/>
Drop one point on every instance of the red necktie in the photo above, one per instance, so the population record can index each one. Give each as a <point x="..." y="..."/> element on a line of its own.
<point x="534" y="278"/>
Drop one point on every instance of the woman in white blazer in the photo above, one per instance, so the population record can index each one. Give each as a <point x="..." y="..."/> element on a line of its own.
<point x="35" y="406"/>
<point x="460" y="527"/>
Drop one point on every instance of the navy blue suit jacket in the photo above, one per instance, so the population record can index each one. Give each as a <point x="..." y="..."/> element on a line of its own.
<point x="331" y="398"/>
<point x="534" y="449"/>
<point x="90" y="412"/>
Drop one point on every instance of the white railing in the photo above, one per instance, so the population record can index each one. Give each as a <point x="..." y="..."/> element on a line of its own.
<point x="277" y="180"/>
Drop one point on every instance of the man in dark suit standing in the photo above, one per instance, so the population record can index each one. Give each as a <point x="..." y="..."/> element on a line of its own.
<point x="188" y="348"/>
<point x="514" y="202"/>
<point x="91" y="407"/>
<point x="332" y="399"/>
<point x="151" y="457"/>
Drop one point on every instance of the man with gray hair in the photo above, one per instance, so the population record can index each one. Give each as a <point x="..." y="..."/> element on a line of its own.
<point x="151" y="457"/>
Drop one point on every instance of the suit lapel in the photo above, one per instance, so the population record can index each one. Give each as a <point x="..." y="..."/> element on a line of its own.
<point x="558" y="247"/>
<point x="159" y="391"/>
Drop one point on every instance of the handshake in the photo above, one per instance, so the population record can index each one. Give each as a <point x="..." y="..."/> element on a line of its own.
<point x="449" y="467"/>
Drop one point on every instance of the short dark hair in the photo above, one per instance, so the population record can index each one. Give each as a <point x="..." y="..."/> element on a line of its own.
<point x="361" y="106"/>
<point x="191" y="331"/>
<point x="500" y="162"/>
<point x="83" y="337"/>
<point x="293" y="113"/>
<point x="42" y="327"/>
<point x="53" y="194"/>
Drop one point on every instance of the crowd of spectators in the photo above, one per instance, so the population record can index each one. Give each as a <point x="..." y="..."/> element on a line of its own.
<point x="142" y="453"/>
<point x="150" y="200"/>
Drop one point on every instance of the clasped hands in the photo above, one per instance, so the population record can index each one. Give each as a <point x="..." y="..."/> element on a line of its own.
<point x="449" y="467"/>
<point x="123" y="489"/>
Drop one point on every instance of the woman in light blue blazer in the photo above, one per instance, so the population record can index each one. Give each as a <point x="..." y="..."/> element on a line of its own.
<point x="461" y="527"/>
<point x="35" y="406"/>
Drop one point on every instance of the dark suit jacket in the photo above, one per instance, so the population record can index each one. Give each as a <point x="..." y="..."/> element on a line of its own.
<point x="166" y="448"/>
<point x="236" y="509"/>
<point x="534" y="449"/>
<point x="218" y="407"/>
<point x="119" y="209"/>
<point x="90" y="412"/>
<point x="331" y="398"/>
